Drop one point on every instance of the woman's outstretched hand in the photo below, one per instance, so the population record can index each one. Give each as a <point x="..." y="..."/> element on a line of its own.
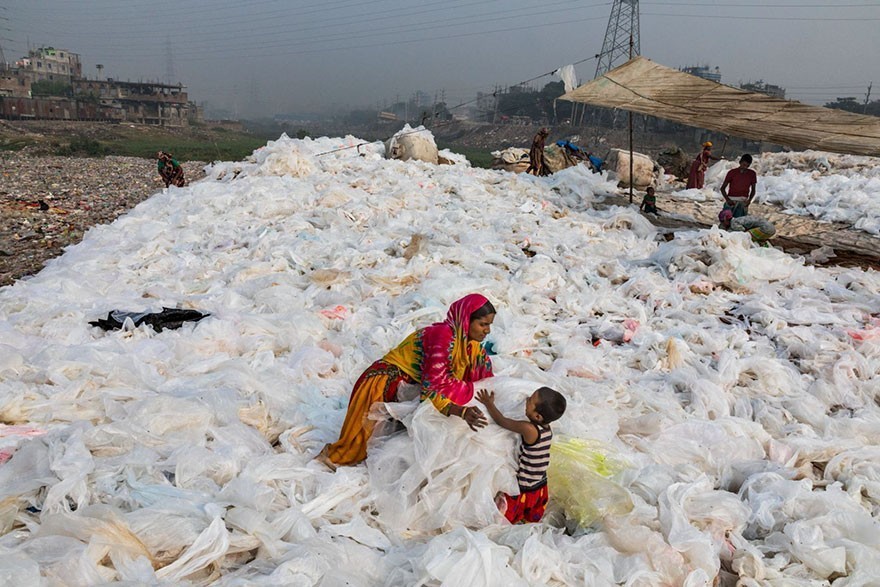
<point x="474" y="417"/>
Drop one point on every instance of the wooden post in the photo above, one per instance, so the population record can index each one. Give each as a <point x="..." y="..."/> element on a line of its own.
<point x="630" y="130"/>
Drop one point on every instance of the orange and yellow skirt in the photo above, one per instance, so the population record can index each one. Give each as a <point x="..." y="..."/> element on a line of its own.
<point x="378" y="383"/>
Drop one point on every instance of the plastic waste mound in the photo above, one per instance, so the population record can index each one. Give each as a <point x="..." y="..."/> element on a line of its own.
<point x="737" y="384"/>
<point x="513" y="159"/>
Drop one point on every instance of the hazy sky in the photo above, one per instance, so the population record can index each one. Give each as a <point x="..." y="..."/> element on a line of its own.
<point x="271" y="56"/>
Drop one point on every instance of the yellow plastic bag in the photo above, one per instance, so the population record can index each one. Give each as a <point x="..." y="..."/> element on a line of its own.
<point x="580" y="480"/>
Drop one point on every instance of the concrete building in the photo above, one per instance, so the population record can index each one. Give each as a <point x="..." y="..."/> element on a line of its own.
<point x="50" y="64"/>
<point x="764" y="88"/>
<point x="146" y="103"/>
<point x="704" y="72"/>
<point x="78" y="98"/>
<point x="13" y="85"/>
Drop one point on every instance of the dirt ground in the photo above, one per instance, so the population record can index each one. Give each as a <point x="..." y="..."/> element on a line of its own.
<point x="48" y="203"/>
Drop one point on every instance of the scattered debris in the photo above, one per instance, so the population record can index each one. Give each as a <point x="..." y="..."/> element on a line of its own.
<point x="48" y="203"/>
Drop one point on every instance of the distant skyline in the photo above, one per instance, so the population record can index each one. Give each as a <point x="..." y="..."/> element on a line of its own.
<point x="262" y="57"/>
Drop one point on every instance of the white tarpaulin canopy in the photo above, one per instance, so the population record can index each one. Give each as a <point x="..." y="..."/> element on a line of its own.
<point x="642" y="86"/>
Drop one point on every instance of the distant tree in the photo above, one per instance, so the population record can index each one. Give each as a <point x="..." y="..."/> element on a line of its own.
<point x="361" y="116"/>
<point x="520" y="101"/>
<point x="537" y="105"/>
<point x="51" y="88"/>
<point x="851" y="104"/>
<point x="549" y="95"/>
<point x="441" y="112"/>
<point x="302" y="133"/>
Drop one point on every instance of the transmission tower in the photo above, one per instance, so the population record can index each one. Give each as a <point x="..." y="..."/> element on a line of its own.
<point x="623" y="28"/>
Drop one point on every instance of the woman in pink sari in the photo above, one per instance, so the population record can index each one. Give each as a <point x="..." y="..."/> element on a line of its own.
<point x="697" y="176"/>
<point x="445" y="359"/>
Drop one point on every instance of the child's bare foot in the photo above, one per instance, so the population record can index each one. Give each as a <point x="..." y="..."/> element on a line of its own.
<point x="501" y="502"/>
<point x="324" y="458"/>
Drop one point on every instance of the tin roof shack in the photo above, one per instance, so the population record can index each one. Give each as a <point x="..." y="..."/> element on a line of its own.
<point x="144" y="103"/>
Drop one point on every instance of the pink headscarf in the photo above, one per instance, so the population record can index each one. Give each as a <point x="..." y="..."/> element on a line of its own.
<point x="441" y="357"/>
<point x="459" y="315"/>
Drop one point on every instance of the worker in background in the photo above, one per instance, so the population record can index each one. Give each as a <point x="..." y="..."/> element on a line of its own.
<point x="170" y="169"/>
<point x="697" y="176"/>
<point x="537" y="162"/>
<point x="738" y="189"/>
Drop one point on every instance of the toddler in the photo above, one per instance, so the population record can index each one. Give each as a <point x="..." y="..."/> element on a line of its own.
<point x="649" y="203"/>
<point x="544" y="406"/>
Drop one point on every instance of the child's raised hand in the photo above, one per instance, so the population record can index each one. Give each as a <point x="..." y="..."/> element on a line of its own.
<point x="486" y="397"/>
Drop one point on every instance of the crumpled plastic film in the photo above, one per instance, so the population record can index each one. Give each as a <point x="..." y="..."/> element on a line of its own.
<point x="580" y="478"/>
<point x="737" y="384"/>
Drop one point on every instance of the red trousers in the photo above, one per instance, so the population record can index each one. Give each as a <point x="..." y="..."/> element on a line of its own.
<point x="526" y="507"/>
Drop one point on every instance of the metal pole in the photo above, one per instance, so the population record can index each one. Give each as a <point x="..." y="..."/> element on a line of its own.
<point x="630" y="128"/>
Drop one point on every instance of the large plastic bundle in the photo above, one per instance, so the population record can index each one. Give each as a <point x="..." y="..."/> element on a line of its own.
<point x="412" y="143"/>
<point x="581" y="476"/>
<point x="645" y="172"/>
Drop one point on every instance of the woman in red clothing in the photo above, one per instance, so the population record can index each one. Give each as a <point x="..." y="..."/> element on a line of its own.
<point x="445" y="359"/>
<point x="697" y="177"/>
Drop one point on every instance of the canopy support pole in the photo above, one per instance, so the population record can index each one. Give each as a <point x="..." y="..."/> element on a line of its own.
<point x="630" y="130"/>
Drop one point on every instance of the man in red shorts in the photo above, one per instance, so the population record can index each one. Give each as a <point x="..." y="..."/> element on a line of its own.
<point x="738" y="189"/>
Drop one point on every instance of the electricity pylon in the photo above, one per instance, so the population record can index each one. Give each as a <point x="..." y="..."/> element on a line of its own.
<point x="621" y="37"/>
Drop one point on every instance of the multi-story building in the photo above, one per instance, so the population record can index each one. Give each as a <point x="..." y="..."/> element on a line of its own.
<point x="50" y="64"/>
<point x="704" y="72"/>
<point x="76" y="98"/>
<point x="763" y="88"/>
<point x="147" y="103"/>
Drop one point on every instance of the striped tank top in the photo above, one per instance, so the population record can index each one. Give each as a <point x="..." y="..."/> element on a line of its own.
<point x="533" y="461"/>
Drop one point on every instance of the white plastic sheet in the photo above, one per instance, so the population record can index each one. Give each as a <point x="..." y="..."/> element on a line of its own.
<point x="738" y="383"/>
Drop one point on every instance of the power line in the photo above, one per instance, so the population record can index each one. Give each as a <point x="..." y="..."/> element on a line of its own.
<point x="411" y="41"/>
<point x="238" y="24"/>
<point x="786" y="18"/>
<point x="357" y="146"/>
<point x="762" y="5"/>
<point x="102" y="15"/>
<point x="262" y="45"/>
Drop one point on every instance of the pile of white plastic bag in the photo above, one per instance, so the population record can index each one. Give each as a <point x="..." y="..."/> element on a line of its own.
<point x="738" y="384"/>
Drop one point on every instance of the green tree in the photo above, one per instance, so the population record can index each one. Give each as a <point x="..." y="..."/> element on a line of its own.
<point x="51" y="88"/>
<point x="549" y="94"/>
<point x="850" y="104"/>
<point x="362" y="116"/>
<point x="537" y="105"/>
<point x="441" y="112"/>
